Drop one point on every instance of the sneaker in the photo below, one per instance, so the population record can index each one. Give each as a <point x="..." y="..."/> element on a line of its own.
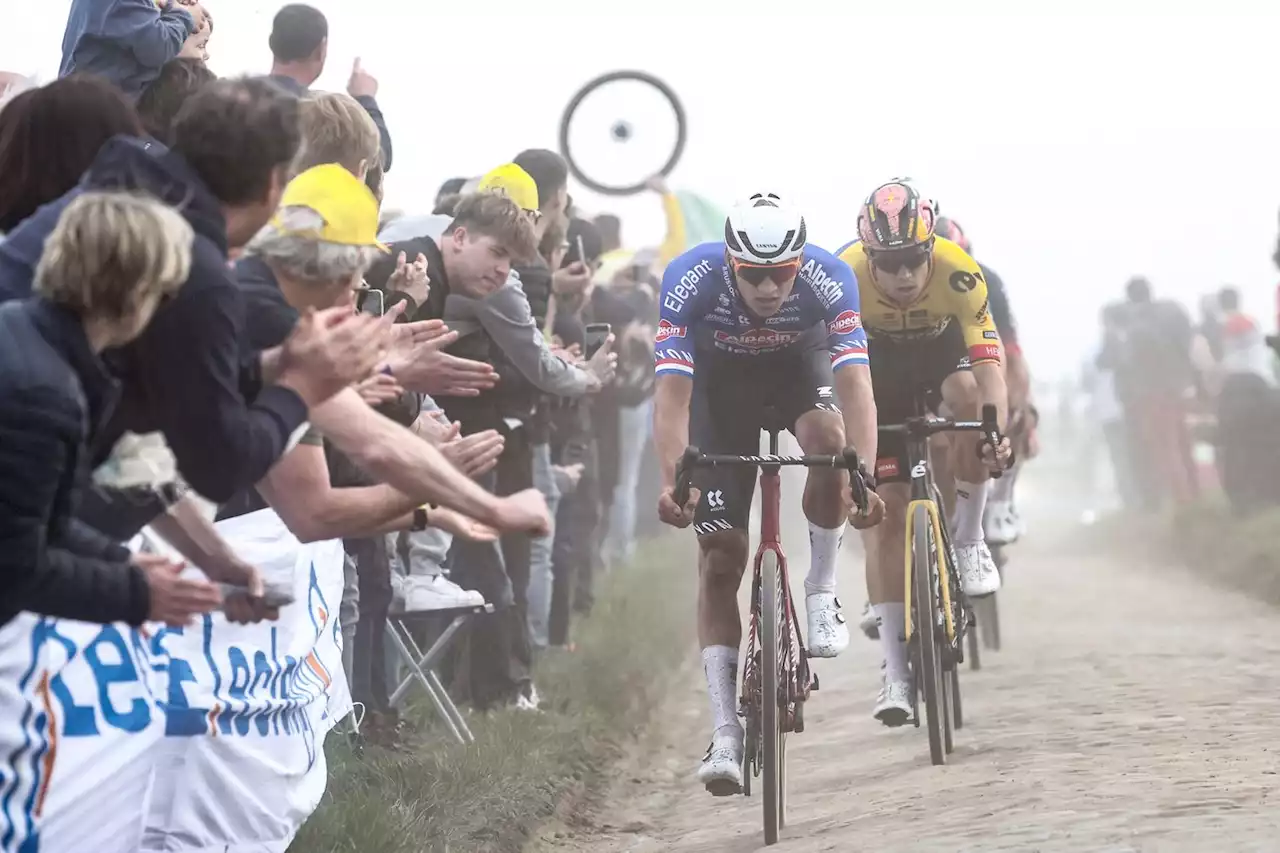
<point x="869" y="624"/>
<point x="528" y="700"/>
<point x="828" y="634"/>
<point x="893" y="705"/>
<point x="998" y="523"/>
<point x="436" y="592"/>
<point x="721" y="770"/>
<point x="978" y="573"/>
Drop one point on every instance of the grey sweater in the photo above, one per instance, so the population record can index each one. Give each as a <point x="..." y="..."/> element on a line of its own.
<point x="505" y="315"/>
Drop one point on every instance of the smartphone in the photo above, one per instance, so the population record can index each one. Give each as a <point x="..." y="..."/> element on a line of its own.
<point x="597" y="334"/>
<point x="370" y="301"/>
<point x="582" y="255"/>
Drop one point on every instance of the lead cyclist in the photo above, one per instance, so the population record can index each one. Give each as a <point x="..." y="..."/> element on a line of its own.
<point x="769" y="320"/>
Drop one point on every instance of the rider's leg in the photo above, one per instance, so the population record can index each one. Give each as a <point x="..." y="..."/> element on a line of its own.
<point x="886" y="583"/>
<point x="822" y="432"/>
<point x="978" y="572"/>
<point x="722" y="557"/>
<point x="960" y="391"/>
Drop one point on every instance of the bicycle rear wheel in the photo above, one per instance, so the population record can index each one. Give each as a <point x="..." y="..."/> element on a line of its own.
<point x="772" y="624"/>
<point x="928" y="680"/>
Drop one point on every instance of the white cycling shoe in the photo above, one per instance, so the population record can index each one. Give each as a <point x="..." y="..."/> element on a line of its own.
<point x="999" y="523"/>
<point x="978" y="573"/>
<point x="869" y="623"/>
<point x="1016" y="519"/>
<point x="893" y="706"/>
<point x="828" y="634"/>
<point x="721" y="770"/>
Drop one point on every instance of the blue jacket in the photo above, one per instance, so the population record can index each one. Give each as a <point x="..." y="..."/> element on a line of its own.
<point x="53" y="391"/>
<point x="124" y="41"/>
<point x="186" y="376"/>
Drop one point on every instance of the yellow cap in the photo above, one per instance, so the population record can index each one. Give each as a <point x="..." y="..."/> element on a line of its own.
<point x="515" y="182"/>
<point x="348" y="207"/>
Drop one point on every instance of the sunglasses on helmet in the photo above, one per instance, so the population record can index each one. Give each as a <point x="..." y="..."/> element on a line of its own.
<point x="755" y="274"/>
<point x="893" y="260"/>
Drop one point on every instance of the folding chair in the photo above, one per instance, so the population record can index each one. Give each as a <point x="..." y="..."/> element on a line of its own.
<point x="422" y="666"/>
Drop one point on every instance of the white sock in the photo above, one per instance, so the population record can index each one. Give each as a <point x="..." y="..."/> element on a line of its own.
<point x="1002" y="489"/>
<point x="971" y="500"/>
<point x="824" y="550"/>
<point x="720" y="663"/>
<point x="892" y="619"/>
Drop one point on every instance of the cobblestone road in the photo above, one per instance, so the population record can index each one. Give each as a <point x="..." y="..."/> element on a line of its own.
<point x="1134" y="708"/>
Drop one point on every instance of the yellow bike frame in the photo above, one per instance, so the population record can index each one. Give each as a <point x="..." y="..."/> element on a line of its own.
<point x="936" y="520"/>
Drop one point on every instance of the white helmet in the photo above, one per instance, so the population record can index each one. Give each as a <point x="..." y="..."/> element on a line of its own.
<point x="763" y="230"/>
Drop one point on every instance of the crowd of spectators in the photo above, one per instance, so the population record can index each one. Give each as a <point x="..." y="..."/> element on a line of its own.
<point x="198" y="271"/>
<point x="1160" y="384"/>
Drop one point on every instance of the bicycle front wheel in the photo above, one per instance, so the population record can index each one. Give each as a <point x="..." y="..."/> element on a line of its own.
<point x="924" y="554"/>
<point x="773" y="622"/>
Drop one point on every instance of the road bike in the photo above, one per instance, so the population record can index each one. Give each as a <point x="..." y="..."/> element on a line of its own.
<point x="777" y="663"/>
<point x="938" y="614"/>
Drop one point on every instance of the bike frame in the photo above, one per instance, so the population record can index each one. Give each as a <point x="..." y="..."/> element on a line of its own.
<point x="918" y="429"/>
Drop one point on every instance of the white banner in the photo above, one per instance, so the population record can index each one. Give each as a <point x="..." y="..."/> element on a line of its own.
<point x="208" y="737"/>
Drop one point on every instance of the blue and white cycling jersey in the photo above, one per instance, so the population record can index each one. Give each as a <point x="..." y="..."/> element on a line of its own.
<point x="703" y="316"/>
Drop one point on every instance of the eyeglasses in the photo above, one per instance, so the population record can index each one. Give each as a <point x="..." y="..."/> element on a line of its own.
<point x="755" y="274"/>
<point x="896" y="259"/>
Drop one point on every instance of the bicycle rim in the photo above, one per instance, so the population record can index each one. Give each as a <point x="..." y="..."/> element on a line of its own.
<point x="771" y="625"/>
<point x="928" y="679"/>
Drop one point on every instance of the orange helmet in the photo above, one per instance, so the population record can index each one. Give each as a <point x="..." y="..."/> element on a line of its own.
<point x="895" y="216"/>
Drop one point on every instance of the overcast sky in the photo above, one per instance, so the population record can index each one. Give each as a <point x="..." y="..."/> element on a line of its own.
<point x="1075" y="150"/>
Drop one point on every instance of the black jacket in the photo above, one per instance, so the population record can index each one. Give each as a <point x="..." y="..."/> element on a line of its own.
<point x="187" y="375"/>
<point x="54" y="391"/>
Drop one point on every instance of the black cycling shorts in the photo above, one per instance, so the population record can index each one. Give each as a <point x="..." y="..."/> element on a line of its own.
<point x="727" y="414"/>
<point x="898" y="369"/>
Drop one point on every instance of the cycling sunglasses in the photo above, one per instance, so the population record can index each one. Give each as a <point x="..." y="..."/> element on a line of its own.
<point x="896" y="259"/>
<point x="755" y="274"/>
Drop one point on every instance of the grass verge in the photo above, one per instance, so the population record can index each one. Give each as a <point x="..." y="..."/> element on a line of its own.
<point x="492" y="794"/>
<point x="1241" y="551"/>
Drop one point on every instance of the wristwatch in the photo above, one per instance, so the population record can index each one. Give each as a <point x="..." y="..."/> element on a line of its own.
<point x="419" y="519"/>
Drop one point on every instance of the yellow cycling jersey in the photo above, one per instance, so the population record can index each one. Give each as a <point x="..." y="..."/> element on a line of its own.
<point x="955" y="291"/>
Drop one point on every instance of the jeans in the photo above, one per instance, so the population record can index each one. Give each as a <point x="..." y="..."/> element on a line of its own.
<point x="368" y="662"/>
<point x="349" y="614"/>
<point x="635" y="424"/>
<point x="540" y="581"/>
<point x="575" y="554"/>
<point x="496" y="656"/>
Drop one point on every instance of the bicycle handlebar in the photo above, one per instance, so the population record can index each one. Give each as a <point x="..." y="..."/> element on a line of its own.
<point x="925" y="427"/>
<point x="693" y="458"/>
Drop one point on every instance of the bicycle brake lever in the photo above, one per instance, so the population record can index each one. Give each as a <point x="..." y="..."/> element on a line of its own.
<point x="684" y="476"/>
<point x="990" y="435"/>
<point x="857" y="485"/>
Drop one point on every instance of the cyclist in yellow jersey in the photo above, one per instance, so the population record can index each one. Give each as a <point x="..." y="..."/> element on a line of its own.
<point x="925" y="311"/>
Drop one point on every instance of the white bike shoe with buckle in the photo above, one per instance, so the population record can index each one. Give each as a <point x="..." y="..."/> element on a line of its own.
<point x="978" y="573"/>
<point x="870" y="623"/>
<point x="893" y="705"/>
<point x="828" y="634"/>
<point x="998" y="523"/>
<point x="721" y="770"/>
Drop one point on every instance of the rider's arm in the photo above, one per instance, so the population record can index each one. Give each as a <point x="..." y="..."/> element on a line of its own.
<point x="673" y="366"/>
<point x="671" y="396"/>
<point x="971" y="309"/>
<point x="1017" y="377"/>
<point x="847" y="342"/>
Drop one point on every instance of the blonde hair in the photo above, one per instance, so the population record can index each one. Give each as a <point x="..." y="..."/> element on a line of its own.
<point x="336" y="129"/>
<point x="110" y="252"/>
